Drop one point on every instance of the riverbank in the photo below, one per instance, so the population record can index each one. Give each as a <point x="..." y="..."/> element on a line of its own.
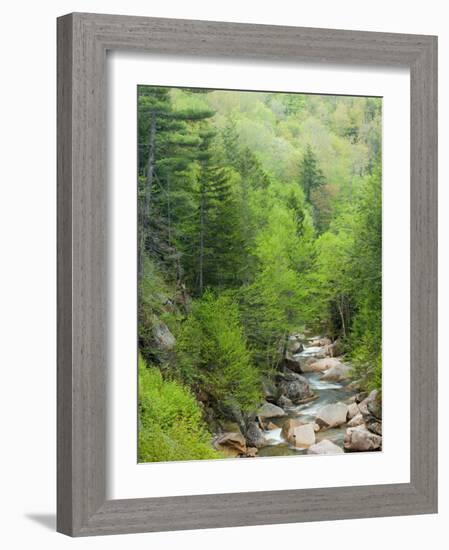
<point x="313" y="406"/>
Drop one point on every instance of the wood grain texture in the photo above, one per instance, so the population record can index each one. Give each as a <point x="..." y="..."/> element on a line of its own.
<point x="83" y="40"/>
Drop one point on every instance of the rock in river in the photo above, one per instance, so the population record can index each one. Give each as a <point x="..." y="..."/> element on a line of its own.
<point x="363" y="405"/>
<point x="353" y="410"/>
<point x="356" y="420"/>
<point x="231" y="442"/>
<point x="254" y="436"/>
<point x="337" y="373"/>
<point x="294" y="345"/>
<point x="268" y="410"/>
<point x="298" y="434"/>
<point x="289" y="425"/>
<point x="324" y="447"/>
<point x="293" y="362"/>
<point x="322" y="364"/>
<point x="294" y="386"/>
<point x="332" y="415"/>
<point x="284" y="402"/>
<point x="373" y="425"/>
<point x="360" y="439"/>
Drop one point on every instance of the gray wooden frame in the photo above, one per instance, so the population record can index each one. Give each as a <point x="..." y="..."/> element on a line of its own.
<point x="83" y="40"/>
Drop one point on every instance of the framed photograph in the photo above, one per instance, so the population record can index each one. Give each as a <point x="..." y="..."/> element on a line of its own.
<point x="247" y="274"/>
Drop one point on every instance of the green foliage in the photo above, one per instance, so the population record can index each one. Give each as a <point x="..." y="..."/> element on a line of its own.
<point x="366" y="334"/>
<point x="213" y="354"/>
<point x="170" y="420"/>
<point x="271" y="304"/>
<point x="259" y="214"/>
<point x="310" y="175"/>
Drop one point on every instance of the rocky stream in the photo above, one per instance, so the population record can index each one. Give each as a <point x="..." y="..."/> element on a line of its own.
<point x="313" y="406"/>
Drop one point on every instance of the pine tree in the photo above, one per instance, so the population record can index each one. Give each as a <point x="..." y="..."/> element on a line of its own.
<point x="216" y="247"/>
<point x="310" y="175"/>
<point x="167" y="139"/>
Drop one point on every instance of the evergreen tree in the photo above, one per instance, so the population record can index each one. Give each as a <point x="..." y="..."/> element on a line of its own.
<point x="310" y="175"/>
<point x="167" y="138"/>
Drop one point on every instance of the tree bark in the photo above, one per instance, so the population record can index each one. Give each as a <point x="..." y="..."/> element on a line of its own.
<point x="201" y="258"/>
<point x="144" y="222"/>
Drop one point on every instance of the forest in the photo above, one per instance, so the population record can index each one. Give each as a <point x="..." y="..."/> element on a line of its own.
<point x="259" y="273"/>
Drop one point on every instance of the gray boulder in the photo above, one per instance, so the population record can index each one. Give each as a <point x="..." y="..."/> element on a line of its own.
<point x="298" y="434"/>
<point x="324" y="447"/>
<point x="361" y="439"/>
<point x="363" y="405"/>
<point x="284" y="402"/>
<point x="254" y="436"/>
<point x="289" y="425"/>
<point x="332" y="415"/>
<point x="373" y="425"/>
<point x="337" y="373"/>
<point x="321" y="365"/>
<point x="374" y="407"/>
<point x="270" y="390"/>
<point x="303" y="436"/>
<point x="293" y="362"/>
<point x="164" y="339"/>
<point x="269" y="410"/>
<point x="294" y="346"/>
<point x="353" y="410"/>
<point x="356" y="420"/>
<point x="294" y="387"/>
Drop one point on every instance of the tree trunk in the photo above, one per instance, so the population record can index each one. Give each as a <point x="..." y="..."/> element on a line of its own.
<point x="201" y="258"/>
<point x="146" y="212"/>
<point x="342" y="316"/>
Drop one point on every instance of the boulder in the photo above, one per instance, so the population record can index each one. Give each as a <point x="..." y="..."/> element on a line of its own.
<point x="293" y="362"/>
<point x="289" y="425"/>
<point x="231" y="443"/>
<point x="360" y="396"/>
<point x="355" y="385"/>
<point x="332" y="415"/>
<point x="268" y="410"/>
<point x="338" y="373"/>
<point x="269" y="426"/>
<point x="316" y="427"/>
<point x="294" y="346"/>
<point x="324" y="447"/>
<point x="335" y="349"/>
<point x="321" y="365"/>
<point x="356" y="420"/>
<point x="270" y="390"/>
<point x="251" y="452"/>
<point x="363" y="405"/>
<point x="254" y="435"/>
<point x="303" y="436"/>
<point x="321" y="342"/>
<point x="373" y="425"/>
<point x="353" y="410"/>
<point x="164" y="339"/>
<point x="293" y="386"/>
<point x="299" y="434"/>
<point x="374" y="407"/>
<point x="361" y="439"/>
<point x="285" y="402"/>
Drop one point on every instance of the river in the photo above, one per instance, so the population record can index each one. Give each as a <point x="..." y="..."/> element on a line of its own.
<point x="327" y="392"/>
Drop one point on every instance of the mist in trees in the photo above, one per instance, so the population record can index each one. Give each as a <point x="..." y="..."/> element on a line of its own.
<point x="259" y="214"/>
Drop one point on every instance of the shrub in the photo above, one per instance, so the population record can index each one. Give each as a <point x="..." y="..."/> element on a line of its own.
<point x="170" y="420"/>
<point x="212" y="352"/>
